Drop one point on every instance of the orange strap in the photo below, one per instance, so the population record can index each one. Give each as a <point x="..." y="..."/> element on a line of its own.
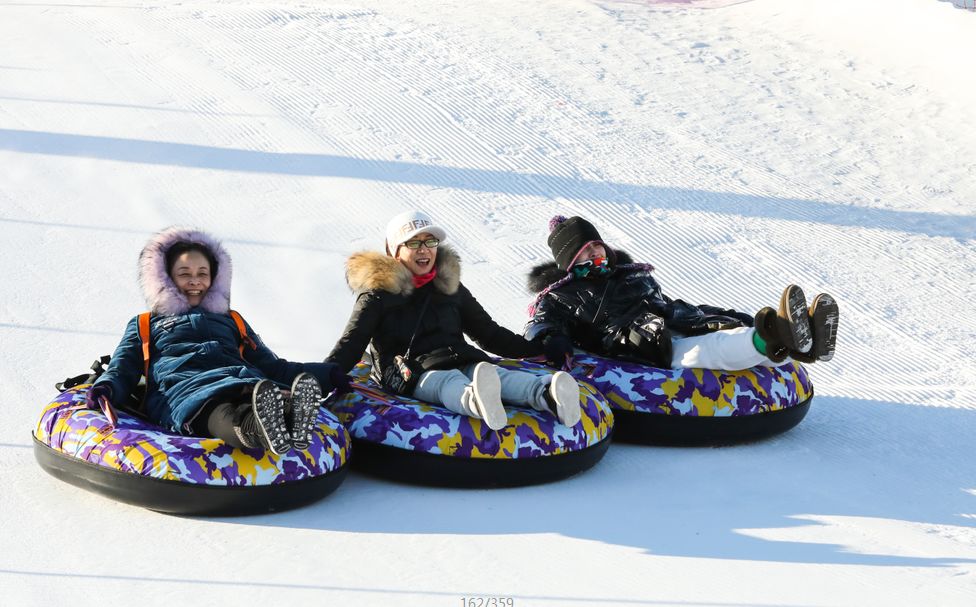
<point x="144" y="337"/>
<point x="245" y="338"/>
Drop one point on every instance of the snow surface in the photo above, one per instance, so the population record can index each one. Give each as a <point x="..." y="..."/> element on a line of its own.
<point x="828" y="143"/>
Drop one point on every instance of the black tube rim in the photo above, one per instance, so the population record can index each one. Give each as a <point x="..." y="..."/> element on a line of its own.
<point x="182" y="498"/>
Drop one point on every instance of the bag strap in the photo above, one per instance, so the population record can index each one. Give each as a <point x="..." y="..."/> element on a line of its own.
<point x="420" y="318"/>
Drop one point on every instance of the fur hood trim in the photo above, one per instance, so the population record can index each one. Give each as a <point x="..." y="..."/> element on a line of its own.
<point x="370" y="271"/>
<point x="161" y="293"/>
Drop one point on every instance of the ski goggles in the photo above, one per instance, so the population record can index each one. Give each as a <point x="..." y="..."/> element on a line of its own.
<point x="430" y="243"/>
<point x="599" y="267"/>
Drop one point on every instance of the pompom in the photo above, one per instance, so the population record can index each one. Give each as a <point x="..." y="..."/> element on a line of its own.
<point x="555" y="221"/>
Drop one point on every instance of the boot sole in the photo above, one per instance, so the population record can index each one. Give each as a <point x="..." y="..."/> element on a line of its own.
<point x="824" y="317"/>
<point x="306" y="395"/>
<point x="565" y="391"/>
<point x="268" y="406"/>
<point x="794" y="320"/>
<point x="488" y="396"/>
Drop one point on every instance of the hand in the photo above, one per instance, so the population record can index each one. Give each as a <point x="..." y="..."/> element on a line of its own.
<point x="96" y="394"/>
<point x="339" y="381"/>
<point x="558" y="348"/>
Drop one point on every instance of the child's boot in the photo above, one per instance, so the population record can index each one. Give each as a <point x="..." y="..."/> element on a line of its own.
<point x="793" y="321"/>
<point x="770" y="344"/>
<point x="824" y="316"/>
<point x="306" y="396"/>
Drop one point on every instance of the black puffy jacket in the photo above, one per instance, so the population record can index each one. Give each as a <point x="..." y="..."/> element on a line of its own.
<point x="598" y="312"/>
<point x="387" y="315"/>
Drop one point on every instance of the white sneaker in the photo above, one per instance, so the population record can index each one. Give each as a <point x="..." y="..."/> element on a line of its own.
<point x="563" y="398"/>
<point x="486" y="398"/>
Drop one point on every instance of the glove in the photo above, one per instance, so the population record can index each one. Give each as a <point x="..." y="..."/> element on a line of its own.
<point x="558" y="348"/>
<point x="339" y="381"/>
<point x="650" y="339"/>
<point x="95" y="395"/>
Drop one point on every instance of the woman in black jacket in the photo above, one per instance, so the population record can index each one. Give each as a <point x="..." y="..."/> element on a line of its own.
<point x="596" y="298"/>
<point x="413" y="312"/>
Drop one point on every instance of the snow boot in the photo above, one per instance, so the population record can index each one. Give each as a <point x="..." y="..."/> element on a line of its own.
<point x="306" y="396"/>
<point x="485" y="392"/>
<point x="793" y="321"/>
<point x="266" y="422"/>
<point x="768" y="330"/>
<point x="562" y="397"/>
<point x="824" y="315"/>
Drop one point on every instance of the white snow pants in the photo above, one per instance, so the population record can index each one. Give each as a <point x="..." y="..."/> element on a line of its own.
<point x="725" y="350"/>
<point x="450" y="388"/>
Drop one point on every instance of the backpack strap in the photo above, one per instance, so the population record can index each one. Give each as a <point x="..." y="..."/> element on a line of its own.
<point x="144" y="337"/>
<point x="245" y="338"/>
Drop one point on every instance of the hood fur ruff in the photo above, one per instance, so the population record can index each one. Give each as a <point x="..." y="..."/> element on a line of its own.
<point x="162" y="295"/>
<point x="369" y="271"/>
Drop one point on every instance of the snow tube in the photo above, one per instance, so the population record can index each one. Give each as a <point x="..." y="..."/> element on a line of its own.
<point x="697" y="406"/>
<point x="408" y="440"/>
<point x="139" y="463"/>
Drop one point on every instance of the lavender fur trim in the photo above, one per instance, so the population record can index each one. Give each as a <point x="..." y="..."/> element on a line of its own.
<point x="162" y="295"/>
<point x="569" y="276"/>
<point x="555" y="221"/>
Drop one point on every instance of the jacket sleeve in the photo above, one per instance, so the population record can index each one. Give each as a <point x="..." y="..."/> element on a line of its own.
<point x="549" y="318"/>
<point x="362" y="325"/>
<point x="488" y="334"/>
<point x="746" y="319"/>
<point x="281" y="370"/>
<point x="126" y="366"/>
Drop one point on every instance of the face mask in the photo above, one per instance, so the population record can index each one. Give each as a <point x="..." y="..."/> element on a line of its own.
<point x="598" y="267"/>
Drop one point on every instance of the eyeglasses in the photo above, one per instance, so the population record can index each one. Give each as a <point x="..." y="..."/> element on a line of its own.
<point x="430" y="243"/>
<point x="599" y="266"/>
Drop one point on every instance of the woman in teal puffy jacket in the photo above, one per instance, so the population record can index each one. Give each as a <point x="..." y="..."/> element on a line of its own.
<point x="206" y="378"/>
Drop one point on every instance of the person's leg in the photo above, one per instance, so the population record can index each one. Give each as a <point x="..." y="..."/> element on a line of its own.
<point x="254" y="420"/>
<point x="473" y="391"/>
<point x="221" y="420"/>
<point x="524" y="389"/>
<point x="443" y="388"/>
<point x="557" y="393"/>
<point x="726" y="350"/>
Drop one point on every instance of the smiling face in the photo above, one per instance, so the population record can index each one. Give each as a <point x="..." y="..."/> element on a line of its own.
<point x="191" y="275"/>
<point x="420" y="260"/>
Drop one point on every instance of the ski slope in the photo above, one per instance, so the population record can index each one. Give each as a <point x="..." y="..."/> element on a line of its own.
<point x="737" y="146"/>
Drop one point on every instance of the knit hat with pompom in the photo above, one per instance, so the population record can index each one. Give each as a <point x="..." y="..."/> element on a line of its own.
<point x="567" y="237"/>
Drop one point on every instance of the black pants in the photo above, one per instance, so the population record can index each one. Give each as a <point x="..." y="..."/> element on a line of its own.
<point x="218" y="419"/>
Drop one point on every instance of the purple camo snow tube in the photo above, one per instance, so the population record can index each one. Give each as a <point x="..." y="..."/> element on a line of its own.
<point x="140" y="463"/>
<point x="408" y="440"/>
<point x="697" y="406"/>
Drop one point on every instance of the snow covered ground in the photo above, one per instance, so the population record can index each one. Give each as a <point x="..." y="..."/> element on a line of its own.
<point x="827" y="143"/>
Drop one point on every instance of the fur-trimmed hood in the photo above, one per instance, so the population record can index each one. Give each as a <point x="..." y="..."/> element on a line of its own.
<point x="370" y="271"/>
<point x="545" y="274"/>
<point x="161" y="293"/>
